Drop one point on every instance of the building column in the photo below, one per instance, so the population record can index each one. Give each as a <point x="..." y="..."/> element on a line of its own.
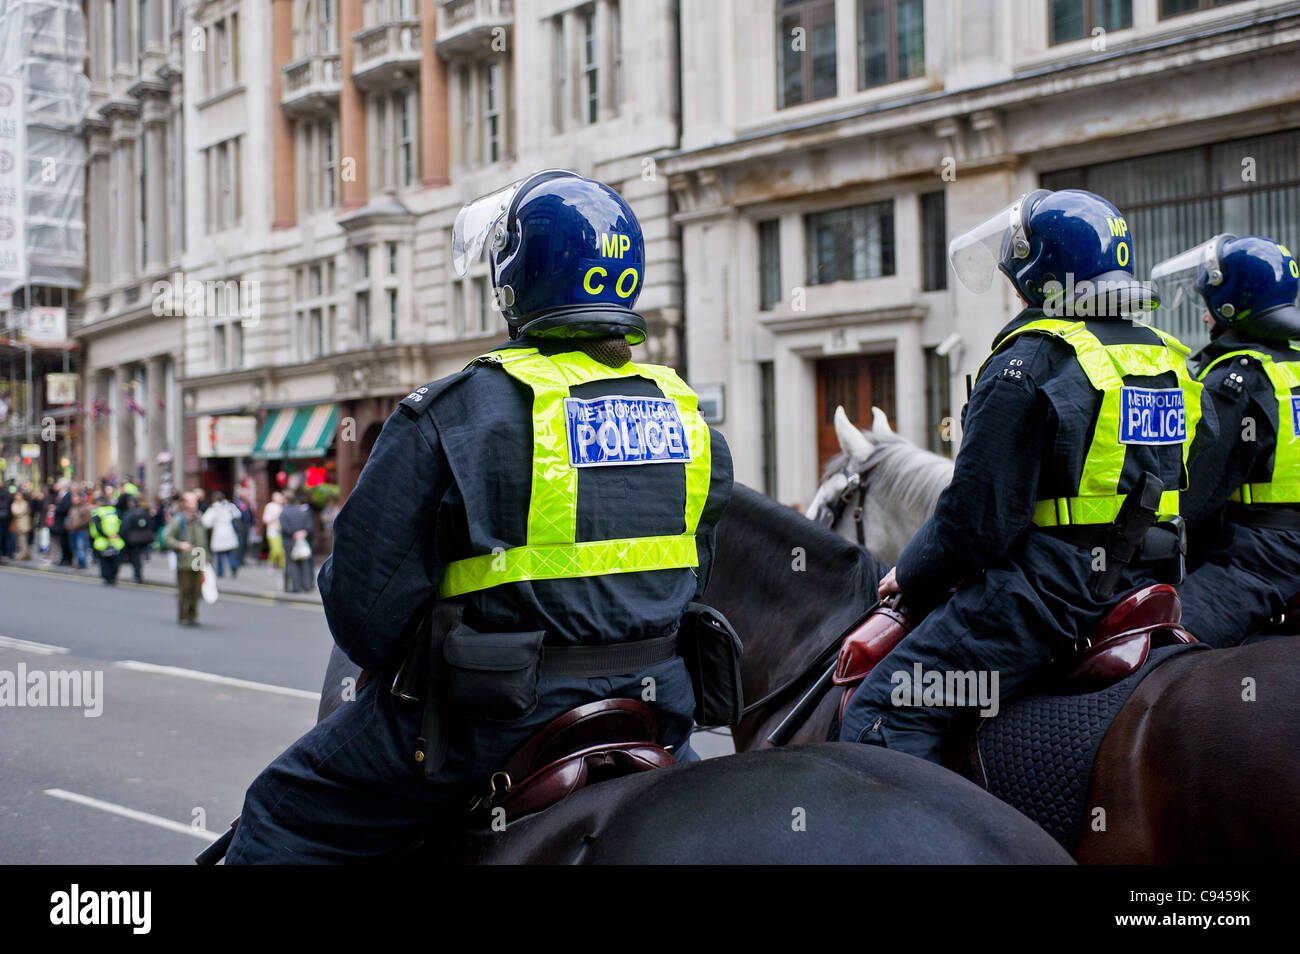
<point x="125" y="48"/>
<point x="156" y="212"/>
<point x="352" y="110"/>
<point x="605" y="60"/>
<point x="152" y="25"/>
<point x="100" y="71"/>
<point x="284" y="182"/>
<point x="156" y="418"/>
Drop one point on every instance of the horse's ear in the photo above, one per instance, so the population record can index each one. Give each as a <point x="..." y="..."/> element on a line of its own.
<point x="880" y="421"/>
<point x="852" y="441"/>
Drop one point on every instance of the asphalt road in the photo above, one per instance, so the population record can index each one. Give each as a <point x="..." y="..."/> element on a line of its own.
<point x="169" y="742"/>
<point x="188" y="716"/>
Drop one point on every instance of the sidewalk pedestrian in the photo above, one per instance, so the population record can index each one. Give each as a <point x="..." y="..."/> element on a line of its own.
<point x="296" y="527"/>
<point x="63" y="504"/>
<point x="6" y="514"/>
<point x="274" y="539"/>
<point x="20" y="526"/>
<point x="105" y="530"/>
<point x="220" y="519"/>
<point x="78" y="526"/>
<point x="137" y="531"/>
<point x="186" y="536"/>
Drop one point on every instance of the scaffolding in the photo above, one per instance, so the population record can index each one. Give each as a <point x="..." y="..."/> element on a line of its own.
<point x="45" y="96"/>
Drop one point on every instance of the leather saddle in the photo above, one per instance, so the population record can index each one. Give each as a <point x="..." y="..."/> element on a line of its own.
<point x="592" y="743"/>
<point x="1118" y="646"/>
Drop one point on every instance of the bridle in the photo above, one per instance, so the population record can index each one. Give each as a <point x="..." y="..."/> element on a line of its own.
<point x="834" y="509"/>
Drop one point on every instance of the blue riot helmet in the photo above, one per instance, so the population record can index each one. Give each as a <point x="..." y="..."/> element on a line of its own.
<point x="1247" y="282"/>
<point x="566" y="254"/>
<point x="1068" y="252"/>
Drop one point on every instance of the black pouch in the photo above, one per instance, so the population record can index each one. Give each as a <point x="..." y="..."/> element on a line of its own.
<point x="490" y="677"/>
<point x="711" y="650"/>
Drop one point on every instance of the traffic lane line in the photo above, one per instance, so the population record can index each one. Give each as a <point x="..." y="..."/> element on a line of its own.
<point x="156" y="820"/>
<point x="27" y="646"/>
<point x="201" y="676"/>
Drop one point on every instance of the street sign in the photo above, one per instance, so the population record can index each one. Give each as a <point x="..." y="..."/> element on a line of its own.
<point x="60" y="388"/>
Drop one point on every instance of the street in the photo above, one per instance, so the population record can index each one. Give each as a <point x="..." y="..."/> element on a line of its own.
<point x="189" y="715"/>
<point x="177" y="745"/>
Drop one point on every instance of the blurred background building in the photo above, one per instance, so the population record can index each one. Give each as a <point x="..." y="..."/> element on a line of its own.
<point x="273" y="182"/>
<point x="43" y="98"/>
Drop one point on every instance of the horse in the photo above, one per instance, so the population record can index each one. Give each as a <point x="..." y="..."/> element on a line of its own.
<point x="1188" y="771"/>
<point x="823" y="804"/>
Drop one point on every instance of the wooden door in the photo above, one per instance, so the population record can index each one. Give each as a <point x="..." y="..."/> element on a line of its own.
<point x="858" y="382"/>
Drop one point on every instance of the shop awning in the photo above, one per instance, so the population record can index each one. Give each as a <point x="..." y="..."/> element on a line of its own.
<point x="294" y="432"/>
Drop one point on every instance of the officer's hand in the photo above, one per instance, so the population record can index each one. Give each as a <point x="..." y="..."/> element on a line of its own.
<point x="189" y="546"/>
<point x="889" y="585"/>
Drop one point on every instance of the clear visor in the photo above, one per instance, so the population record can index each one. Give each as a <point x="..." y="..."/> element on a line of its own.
<point x="1175" y="278"/>
<point x="975" y="254"/>
<point x="475" y="222"/>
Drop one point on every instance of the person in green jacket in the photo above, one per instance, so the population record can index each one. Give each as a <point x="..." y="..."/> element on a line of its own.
<point x="188" y="538"/>
<point x="105" y="527"/>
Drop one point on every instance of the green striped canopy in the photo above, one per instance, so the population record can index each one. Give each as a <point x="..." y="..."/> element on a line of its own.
<point x="294" y="432"/>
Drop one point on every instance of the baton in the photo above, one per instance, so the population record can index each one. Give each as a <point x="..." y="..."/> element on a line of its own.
<point x="803" y="708"/>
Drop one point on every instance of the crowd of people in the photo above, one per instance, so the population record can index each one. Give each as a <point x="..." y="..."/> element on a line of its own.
<point x="110" y="523"/>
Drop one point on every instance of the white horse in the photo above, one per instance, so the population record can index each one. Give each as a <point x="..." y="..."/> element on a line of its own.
<point x="880" y="488"/>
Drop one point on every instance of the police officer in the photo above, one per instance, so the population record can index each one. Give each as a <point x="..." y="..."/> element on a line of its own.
<point x="554" y="494"/>
<point x="1243" y="506"/>
<point x="1075" y="404"/>
<point x="105" y="527"/>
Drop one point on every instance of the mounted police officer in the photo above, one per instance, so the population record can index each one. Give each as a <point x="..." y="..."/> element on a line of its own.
<point x="1243" y="506"/>
<point x="1065" y="491"/>
<point x="551" y="508"/>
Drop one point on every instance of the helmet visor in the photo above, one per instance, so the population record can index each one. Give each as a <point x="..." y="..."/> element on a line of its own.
<point x="1175" y="278"/>
<point x="975" y="254"/>
<point x="475" y="222"/>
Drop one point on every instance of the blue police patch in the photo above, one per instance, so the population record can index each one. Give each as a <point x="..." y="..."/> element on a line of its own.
<point x="1152" y="416"/>
<point x="1295" y="416"/>
<point x="624" y="430"/>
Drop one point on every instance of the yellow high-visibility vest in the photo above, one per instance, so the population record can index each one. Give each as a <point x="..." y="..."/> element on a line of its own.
<point x="552" y="551"/>
<point x="1283" y="485"/>
<point x="1106" y="366"/>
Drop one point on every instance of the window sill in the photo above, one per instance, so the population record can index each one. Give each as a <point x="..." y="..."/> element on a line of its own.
<point x="217" y="97"/>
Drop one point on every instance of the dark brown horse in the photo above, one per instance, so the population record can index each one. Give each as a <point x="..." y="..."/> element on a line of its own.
<point x="1199" y="765"/>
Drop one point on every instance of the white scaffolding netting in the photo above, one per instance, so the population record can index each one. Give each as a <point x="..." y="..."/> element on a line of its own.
<point x="43" y="44"/>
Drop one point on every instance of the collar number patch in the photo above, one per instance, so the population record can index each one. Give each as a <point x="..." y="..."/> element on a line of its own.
<point x="1152" y="416"/>
<point x="617" y="429"/>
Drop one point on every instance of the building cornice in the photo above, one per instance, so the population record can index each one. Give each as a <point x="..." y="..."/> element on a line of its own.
<point x="1135" y="64"/>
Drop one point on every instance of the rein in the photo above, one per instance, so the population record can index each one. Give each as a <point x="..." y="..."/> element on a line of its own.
<point x="836" y="510"/>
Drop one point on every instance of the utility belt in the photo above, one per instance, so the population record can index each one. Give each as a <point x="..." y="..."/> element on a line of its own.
<point x="1279" y="517"/>
<point x="1139" y="535"/>
<point x="493" y="677"/>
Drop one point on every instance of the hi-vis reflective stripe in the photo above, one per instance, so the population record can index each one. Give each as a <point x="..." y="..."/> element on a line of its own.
<point x="1106" y="366"/>
<point x="551" y="550"/>
<point x="1283" y="485"/>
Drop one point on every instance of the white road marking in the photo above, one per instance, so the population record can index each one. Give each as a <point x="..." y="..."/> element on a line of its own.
<point x="179" y="827"/>
<point x="44" y="649"/>
<point x="220" y="680"/>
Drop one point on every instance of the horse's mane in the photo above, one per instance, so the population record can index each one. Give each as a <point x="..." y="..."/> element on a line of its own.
<point x="906" y="475"/>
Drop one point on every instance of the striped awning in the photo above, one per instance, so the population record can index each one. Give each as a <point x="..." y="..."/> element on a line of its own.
<point x="294" y="432"/>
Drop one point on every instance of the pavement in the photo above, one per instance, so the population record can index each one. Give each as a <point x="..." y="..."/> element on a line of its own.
<point x="255" y="579"/>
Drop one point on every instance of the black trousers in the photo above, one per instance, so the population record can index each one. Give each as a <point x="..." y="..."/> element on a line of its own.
<point x="132" y="554"/>
<point x="108" y="566"/>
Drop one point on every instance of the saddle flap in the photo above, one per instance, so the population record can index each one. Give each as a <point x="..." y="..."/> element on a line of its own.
<point x="559" y="779"/>
<point x="871" y="642"/>
<point x="1144" y="609"/>
<point x="603" y="721"/>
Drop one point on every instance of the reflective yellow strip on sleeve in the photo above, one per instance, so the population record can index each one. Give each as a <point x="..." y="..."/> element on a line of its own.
<point x="564" y="561"/>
